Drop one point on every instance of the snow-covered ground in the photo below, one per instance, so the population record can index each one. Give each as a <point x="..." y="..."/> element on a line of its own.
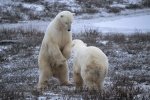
<point x="19" y="71"/>
<point x="125" y="23"/>
<point x="129" y="70"/>
<point x="34" y="6"/>
<point x="122" y="25"/>
<point x="133" y="1"/>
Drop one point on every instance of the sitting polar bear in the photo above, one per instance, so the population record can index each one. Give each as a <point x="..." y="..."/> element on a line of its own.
<point x="55" y="50"/>
<point x="90" y="66"/>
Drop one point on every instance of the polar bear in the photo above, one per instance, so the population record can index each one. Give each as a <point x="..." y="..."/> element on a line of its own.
<point x="55" y="50"/>
<point x="90" y="66"/>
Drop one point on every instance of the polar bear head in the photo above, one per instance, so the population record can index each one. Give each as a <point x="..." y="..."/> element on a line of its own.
<point x="77" y="43"/>
<point x="65" y="19"/>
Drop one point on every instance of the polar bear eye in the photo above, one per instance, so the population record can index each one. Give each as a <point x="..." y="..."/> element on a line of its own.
<point x="61" y="16"/>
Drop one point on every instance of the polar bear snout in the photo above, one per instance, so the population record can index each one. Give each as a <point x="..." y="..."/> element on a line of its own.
<point x="69" y="30"/>
<point x="69" y="27"/>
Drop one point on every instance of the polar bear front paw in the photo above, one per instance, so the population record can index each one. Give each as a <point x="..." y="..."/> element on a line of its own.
<point x="67" y="83"/>
<point x="61" y="62"/>
<point x="42" y="86"/>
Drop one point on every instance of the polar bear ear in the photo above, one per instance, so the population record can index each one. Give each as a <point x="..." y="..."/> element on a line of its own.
<point x="85" y="44"/>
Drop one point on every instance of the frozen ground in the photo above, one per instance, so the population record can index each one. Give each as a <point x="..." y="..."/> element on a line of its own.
<point x="129" y="56"/>
<point x="116" y="24"/>
<point x="127" y="22"/>
<point x="125" y="25"/>
<point x="128" y="77"/>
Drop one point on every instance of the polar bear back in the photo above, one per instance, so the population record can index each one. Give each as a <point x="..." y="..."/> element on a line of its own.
<point x="92" y="53"/>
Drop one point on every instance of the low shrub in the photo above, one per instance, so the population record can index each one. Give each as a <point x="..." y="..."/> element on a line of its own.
<point x="146" y="3"/>
<point x="133" y="6"/>
<point x="114" y="9"/>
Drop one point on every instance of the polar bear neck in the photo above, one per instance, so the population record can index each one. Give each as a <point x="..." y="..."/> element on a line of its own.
<point x="79" y="47"/>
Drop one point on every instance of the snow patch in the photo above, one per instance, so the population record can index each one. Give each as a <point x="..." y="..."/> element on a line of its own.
<point x="52" y="96"/>
<point x="134" y="1"/>
<point x="128" y="24"/>
<point x="41" y="98"/>
<point x="3" y="2"/>
<point x="2" y="48"/>
<point x="102" y="42"/>
<point x="71" y="4"/>
<point x="34" y="7"/>
<point x="118" y="5"/>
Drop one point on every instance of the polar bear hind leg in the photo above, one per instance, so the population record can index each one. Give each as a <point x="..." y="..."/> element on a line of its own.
<point x="45" y="74"/>
<point x="61" y="72"/>
<point x="78" y="80"/>
<point x="91" y="78"/>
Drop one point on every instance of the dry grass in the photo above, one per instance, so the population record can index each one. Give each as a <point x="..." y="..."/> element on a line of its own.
<point x="133" y="6"/>
<point x="127" y="71"/>
<point x="114" y="9"/>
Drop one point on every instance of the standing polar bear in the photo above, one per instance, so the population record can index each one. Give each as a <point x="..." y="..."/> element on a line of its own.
<point x="55" y="50"/>
<point x="90" y="66"/>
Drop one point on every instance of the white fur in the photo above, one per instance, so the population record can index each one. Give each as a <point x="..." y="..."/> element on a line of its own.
<point x="90" y="65"/>
<point x="55" y="49"/>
